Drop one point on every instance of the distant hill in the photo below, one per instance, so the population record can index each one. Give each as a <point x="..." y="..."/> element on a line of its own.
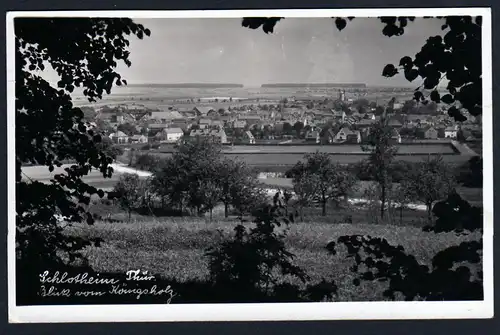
<point x="358" y="85"/>
<point x="189" y="85"/>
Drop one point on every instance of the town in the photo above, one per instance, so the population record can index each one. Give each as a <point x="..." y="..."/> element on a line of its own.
<point x="343" y="120"/>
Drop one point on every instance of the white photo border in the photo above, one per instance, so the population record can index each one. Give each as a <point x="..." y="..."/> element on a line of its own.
<point x="261" y="311"/>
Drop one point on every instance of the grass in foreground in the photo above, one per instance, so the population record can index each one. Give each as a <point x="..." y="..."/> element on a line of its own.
<point x="174" y="248"/>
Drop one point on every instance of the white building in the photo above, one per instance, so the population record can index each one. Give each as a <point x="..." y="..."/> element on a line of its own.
<point x="450" y="132"/>
<point x="138" y="139"/>
<point x="119" y="137"/>
<point x="170" y="135"/>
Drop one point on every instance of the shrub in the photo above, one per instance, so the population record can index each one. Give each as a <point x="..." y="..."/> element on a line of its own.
<point x="377" y="260"/>
<point x="456" y="214"/>
<point x="448" y="278"/>
<point x="251" y="263"/>
<point x="249" y="260"/>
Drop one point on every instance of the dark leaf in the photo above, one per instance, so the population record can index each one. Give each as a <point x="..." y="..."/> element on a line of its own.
<point x="389" y="71"/>
<point x="447" y="98"/>
<point x="406" y="62"/>
<point x="340" y="23"/>
<point x="435" y="96"/>
<point x="411" y="75"/>
<point x="418" y="96"/>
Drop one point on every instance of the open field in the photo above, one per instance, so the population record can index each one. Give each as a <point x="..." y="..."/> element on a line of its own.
<point x="174" y="248"/>
<point x="41" y="173"/>
<point x="274" y="155"/>
<point x="348" y="149"/>
<point x="473" y="195"/>
<point x="156" y="96"/>
<point x="94" y="178"/>
<point x="290" y="159"/>
<point x="444" y="148"/>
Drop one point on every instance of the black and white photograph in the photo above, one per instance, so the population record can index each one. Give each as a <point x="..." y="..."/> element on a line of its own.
<point x="250" y="165"/>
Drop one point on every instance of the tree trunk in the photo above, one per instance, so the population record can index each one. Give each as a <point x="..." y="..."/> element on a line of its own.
<point x="129" y="215"/>
<point x="211" y="209"/>
<point x="429" y="212"/>
<point x="401" y="214"/>
<point x="382" y="200"/>
<point x="323" y="203"/>
<point x="226" y="210"/>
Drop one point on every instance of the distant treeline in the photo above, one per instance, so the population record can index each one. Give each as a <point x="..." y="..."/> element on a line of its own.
<point x="191" y="85"/>
<point x="357" y="85"/>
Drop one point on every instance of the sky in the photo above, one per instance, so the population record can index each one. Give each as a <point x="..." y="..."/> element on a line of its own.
<point x="301" y="50"/>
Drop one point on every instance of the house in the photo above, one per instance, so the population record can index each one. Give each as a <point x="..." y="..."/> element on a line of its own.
<point x="169" y="135"/>
<point x="339" y="116"/>
<point x="346" y="134"/>
<point x="354" y="137"/>
<point x="217" y="124"/>
<point x="138" y="139"/>
<point x="203" y="110"/>
<point x="395" y="136"/>
<point x="217" y="135"/>
<point x="213" y="113"/>
<point x="250" y="119"/>
<point x="117" y="118"/>
<point x="369" y="116"/>
<point x="248" y="137"/>
<point x="450" y="132"/>
<point x="329" y="136"/>
<point x="119" y="137"/>
<point x="394" y="122"/>
<point x="417" y="119"/>
<point x="397" y="106"/>
<point x="189" y="114"/>
<point x="313" y="136"/>
<point x="239" y="124"/>
<point x="226" y="118"/>
<point x="161" y="116"/>
<point x="156" y="127"/>
<point x="204" y="123"/>
<point x="365" y="123"/>
<point x="428" y="133"/>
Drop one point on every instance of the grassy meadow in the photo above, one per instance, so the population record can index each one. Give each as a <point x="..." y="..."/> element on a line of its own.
<point x="174" y="247"/>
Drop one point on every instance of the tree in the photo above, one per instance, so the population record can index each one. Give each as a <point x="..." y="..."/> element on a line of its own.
<point x="403" y="196"/>
<point x="298" y="126"/>
<point x="456" y="56"/>
<point x="128" y="192"/>
<point x="305" y="189"/>
<point x="460" y="136"/>
<point x="127" y="128"/>
<point x="287" y="128"/>
<point x="168" y="182"/>
<point x="236" y="181"/>
<point x="107" y="147"/>
<point x="209" y="192"/>
<point x="361" y="103"/>
<point x="381" y="157"/>
<point x="409" y="107"/>
<point x="433" y="180"/>
<point x="379" y="110"/>
<point x="332" y="181"/>
<point x="50" y="130"/>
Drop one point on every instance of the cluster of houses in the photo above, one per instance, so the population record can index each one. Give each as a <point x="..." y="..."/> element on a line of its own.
<point x="223" y="125"/>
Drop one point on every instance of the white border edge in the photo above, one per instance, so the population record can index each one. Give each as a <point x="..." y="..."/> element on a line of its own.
<point x="243" y="312"/>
